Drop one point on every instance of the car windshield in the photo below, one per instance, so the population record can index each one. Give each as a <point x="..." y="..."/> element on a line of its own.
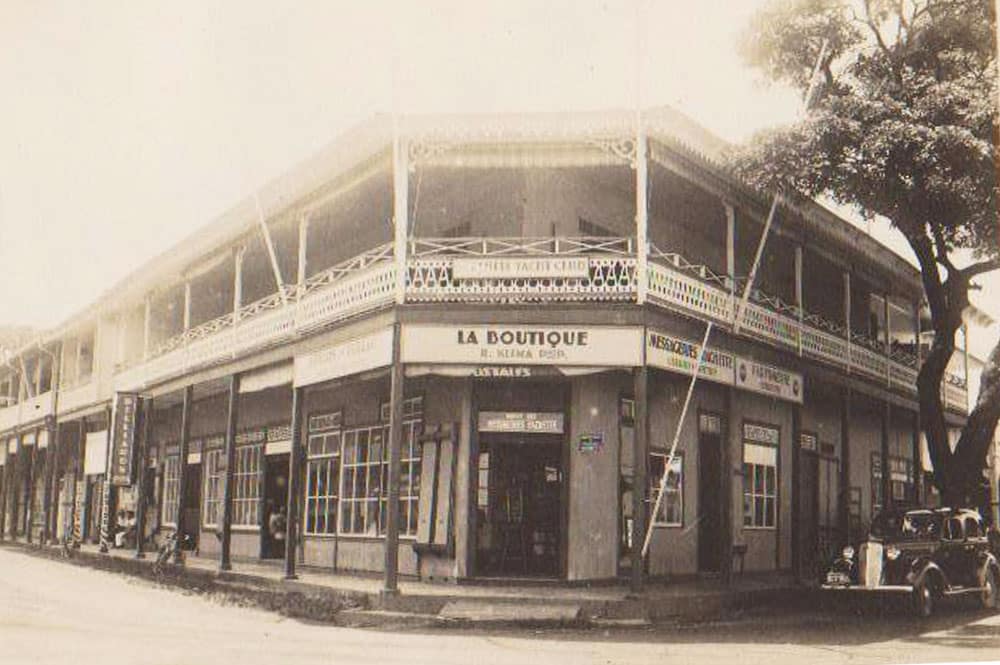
<point x="912" y="525"/>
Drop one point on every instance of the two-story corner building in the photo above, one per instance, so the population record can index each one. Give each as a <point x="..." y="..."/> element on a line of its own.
<point x="460" y="349"/>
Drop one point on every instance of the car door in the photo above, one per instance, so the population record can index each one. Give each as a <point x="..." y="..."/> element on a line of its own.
<point x="951" y="553"/>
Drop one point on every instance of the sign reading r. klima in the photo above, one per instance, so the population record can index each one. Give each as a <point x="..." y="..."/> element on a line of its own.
<point x="522" y="345"/>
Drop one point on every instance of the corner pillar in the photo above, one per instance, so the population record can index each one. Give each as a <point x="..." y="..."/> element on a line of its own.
<point x="295" y="465"/>
<point x="396" y="391"/>
<point x="145" y="434"/>
<point x="225" y="560"/>
<point x="640" y="457"/>
<point x="186" y="401"/>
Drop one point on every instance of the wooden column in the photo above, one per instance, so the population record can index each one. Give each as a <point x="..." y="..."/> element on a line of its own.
<point x="641" y="213"/>
<point x="295" y="463"/>
<point x="4" y="489"/>
<point x="49" y="490"/>
<point x="238" y="255"/>
<point x="396" y="392"/>
<point x="886" y="480"/>
<point x="300" y="278"/>
<point x="729" y="441"/>
<point x="187" y="305"/>
<point x="145" y="433"/>
<point x="30" y="459"/>
<point x="146" y="328"/>
<point x="796" y="488"/>
<point x="847" y="316"/>
<point x="640" y="461"/>
<point x="731" y="247"/>
<point x="186" y="402"/>
<point x="400" y="210"/>
<point x="225" y="562"/>
<point x="845" y="462"/>
<point x="799" y="299"/>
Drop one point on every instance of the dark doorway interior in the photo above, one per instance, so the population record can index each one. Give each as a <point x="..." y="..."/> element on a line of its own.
<point x="272" y="534"/>
<point x="519" y="504"/>
<point x="709" y="493"/>
<point x="808" y="508"/>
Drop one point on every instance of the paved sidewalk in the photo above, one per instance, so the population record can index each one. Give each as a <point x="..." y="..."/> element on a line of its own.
<point x="549" y="603"/>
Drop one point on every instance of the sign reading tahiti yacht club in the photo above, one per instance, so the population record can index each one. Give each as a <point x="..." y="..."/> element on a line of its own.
<point x="542" y="267"/>
<point x="523" y="345"/>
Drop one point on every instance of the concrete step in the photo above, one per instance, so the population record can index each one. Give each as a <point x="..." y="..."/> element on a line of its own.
<point x="357" y="618"/>
<point x="482" y="611"/>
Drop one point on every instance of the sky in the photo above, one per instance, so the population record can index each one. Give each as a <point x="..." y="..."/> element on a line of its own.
<point x="126" y="126"/>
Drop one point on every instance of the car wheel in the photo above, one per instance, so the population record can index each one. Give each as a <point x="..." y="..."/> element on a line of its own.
<point x="924" y="598"/>
<point x="991" y="590"/>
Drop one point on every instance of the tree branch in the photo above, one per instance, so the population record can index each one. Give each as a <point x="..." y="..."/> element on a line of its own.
<point x="941" y="250"/>
<point x="979" y="268"/>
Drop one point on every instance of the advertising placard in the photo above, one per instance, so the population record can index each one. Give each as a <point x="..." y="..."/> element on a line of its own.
<point x="351" y="357"/>
<point x="680" y="355"/>
<point x="768" y="380"/>
<point x="123" y="439"/>
<point x="521" y="422"/>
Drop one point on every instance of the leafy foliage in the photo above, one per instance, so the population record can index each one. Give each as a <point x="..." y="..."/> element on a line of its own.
<point x="903" y="123"/>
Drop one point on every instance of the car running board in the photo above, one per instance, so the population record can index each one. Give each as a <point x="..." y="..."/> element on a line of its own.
<point x="963" y="590"/>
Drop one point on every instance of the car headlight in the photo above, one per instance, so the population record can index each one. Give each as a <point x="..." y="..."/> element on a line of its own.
<point x="847" y="552"/>
<point x="891" y="553"/>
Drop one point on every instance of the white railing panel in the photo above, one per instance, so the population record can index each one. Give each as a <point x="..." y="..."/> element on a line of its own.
<point x="771" y="326"/>
<point x="679" y="291"/>
<point x="820" y="344"/>
<point x="359" y="293"/>
<point x="610" y="278"/>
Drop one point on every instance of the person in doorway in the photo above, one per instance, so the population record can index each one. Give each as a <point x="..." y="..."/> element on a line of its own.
<point x="277" y="524"/>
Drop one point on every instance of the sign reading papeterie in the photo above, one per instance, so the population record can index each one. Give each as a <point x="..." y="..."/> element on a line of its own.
<point x="521" y="422"/>
<point x="123" y="439"/>
<point x="544" y="267"/>
<point x="768" y="380"/>
<point x="679" y="355"/>
<point x="599" y="346"/>
<point x="351" y="357"/>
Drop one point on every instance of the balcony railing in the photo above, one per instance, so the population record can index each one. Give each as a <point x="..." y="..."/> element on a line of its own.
<point x="605" y="269"/>
<point x="358" y="285"/>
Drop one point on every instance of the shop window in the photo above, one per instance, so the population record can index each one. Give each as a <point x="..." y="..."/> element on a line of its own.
<point x="671" y="512"/>
<point x="323" y="473"/>
<point x="214" y="471"/>
<point x="246" y="485"/>
<point x="171" y="489"/>
<point x="364" y="473"/>
<point x="902" y="481"/>
<point x="413" y="407"/>
<point x="760" y="476"/>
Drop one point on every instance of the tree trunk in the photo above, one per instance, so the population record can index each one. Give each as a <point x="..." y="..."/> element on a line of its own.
<point x="970" y="454"/>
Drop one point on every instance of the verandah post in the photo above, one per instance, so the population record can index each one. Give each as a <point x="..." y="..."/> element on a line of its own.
<point x="640" y="380"/>
<point x="294" y="482"/>
<point x="188" y="396"/>
<point x="143" y="470"/>
<point x="845" y="463"/>
<point x="225" y="562"/>
<point x="391" y="580"/>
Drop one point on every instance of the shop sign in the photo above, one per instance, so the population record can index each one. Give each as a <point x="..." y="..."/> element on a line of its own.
<point x="808" y="442"/>
<point x="520" y="422"/>
<point x="95" y="454"/>
<point x="679" y="355"/>
<point x="123" y="440"/>
<point x="352" y="357"/>
<point x="590" y="443"/>
<point x="79" y="501"/>
<point x="761" y="434"/>
<point x="502" y="372"/>
<point x="547" y="267"/>
<point x="768" y="380"/>
<point x="523" y="345"/>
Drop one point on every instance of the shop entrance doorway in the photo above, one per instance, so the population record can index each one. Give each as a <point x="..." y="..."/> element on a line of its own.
<point x="272" y="535"/>
<point x="709" y="493"/>
<point x="519" y="527"/>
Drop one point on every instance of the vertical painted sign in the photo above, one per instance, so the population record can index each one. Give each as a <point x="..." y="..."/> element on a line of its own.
<point x="123" y="442"/>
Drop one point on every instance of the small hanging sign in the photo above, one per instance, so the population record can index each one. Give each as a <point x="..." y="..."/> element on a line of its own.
<point x="590" y="443"/>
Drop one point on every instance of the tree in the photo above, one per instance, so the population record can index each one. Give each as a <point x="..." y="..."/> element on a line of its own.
<point x="902" y="124"/>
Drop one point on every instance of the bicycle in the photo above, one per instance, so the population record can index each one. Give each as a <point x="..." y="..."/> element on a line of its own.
<point x="170" y="549"/>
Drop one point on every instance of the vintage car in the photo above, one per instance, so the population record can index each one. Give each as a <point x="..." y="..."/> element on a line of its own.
<point x="926" y="553"/>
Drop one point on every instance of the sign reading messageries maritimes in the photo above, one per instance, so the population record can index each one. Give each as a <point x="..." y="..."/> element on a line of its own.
<point x="680" y="355"/>
<point x="523" y="345"/>
<point x="123" y="439"/>
<point x="521" y="422"/>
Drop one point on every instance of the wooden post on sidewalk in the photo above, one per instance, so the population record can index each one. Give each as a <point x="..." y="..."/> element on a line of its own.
<point x="295" y="459"/>
<point x="225" y="562"/>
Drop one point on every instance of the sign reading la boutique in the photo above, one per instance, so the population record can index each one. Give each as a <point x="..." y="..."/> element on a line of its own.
<point x="523" y="345"/>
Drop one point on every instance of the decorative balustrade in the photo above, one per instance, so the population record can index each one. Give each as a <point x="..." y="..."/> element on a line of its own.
<point x="603" y="269"/>
<point x="358" y="285"/>
<point x="596" y="269"/>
